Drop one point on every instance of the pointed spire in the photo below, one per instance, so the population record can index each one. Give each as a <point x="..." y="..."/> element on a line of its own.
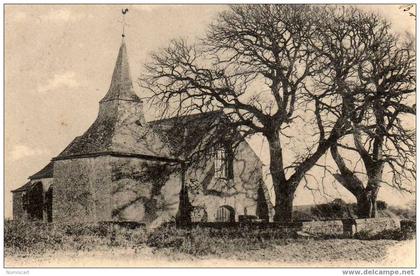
<point x="121" y="85"/>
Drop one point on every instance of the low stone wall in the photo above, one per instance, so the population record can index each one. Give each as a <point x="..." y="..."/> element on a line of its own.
<point x="344" y="227"/>
<point x="376" y="225"/>
<point x="327" y="227"/>
<point x="349" y="227"/>
<point x="296" y="226"/>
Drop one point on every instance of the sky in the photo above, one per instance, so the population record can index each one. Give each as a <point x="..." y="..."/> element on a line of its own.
<point x="58" y="65"/>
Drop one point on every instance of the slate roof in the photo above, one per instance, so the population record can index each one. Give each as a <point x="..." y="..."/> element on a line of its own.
<point x="184" y="133"/>
<point x="121" y="87"/>
<point x="45" y="172"/>
<point x="102" y="138"/>
<point x="25" y="187"/>
<point x="97" y="138"/>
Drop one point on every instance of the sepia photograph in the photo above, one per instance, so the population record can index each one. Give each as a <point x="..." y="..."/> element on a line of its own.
<point x="237" y="135"/>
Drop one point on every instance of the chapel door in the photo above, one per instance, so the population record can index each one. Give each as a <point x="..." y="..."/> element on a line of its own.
<point x="225" y="214"/>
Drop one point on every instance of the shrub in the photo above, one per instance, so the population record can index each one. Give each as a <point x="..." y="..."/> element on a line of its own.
<point x="166" y="236"/>
<point x="30" y="237"/>
<point x="303" y="216"/>
<point x="381" y="205"/>
<point x="37" y="237"/>
<point x="200" y="241"/>
<point x="389" y="234"/>
<point x="408" y="225"/>
<point x="337" y="209"/>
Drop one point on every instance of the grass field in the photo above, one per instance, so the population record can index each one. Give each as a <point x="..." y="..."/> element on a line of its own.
<point x="41" y="245"/>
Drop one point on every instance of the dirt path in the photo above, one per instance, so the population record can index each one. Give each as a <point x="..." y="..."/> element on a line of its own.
<point x="402" y="254"/>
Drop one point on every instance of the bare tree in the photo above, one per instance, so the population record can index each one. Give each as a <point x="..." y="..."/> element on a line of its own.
<point x="381" y="90"/>
<point x="409" y="9"/>
<point x="265" y="66"/>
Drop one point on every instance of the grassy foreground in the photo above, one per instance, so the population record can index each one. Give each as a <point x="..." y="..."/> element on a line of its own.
<point x="32" y="244"/>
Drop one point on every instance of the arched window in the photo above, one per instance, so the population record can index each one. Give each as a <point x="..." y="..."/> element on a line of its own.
<point x="225" y="213"/>
<point x="220" y="163"/>
<point x="223" y="162"/>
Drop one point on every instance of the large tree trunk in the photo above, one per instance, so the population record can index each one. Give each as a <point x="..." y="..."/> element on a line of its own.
<point x="373" y="163"/>
<point x="366" y="197"/>
<point x="366" y="204"/>
<point x="374" y="172"/>
<point x="284" y="206"/>
<point x="284" y="192"/>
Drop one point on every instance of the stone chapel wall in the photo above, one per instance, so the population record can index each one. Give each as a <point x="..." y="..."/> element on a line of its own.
<point x="81" y="190"/>
<point x="144" y="190"/>
<point x="211" y="194"/>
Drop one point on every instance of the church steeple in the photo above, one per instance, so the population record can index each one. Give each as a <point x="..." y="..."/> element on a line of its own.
<point x="120" y="128"/>
<point x="121" y="87"/>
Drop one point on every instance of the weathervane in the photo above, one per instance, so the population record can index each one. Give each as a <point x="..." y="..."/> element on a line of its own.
<point x="123" y="11"/>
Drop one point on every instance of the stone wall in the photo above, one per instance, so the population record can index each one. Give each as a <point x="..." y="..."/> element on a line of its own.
<point x="132" y="134"/>
<point x="349" y="227"/>
<point x="143" y="190"/>
<point x="114" y="189"/>
<point x="329" y="227"/>
<point x="81" y="190"/>
<point x="375" y="225"/>
<point x="18" y="212"/>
